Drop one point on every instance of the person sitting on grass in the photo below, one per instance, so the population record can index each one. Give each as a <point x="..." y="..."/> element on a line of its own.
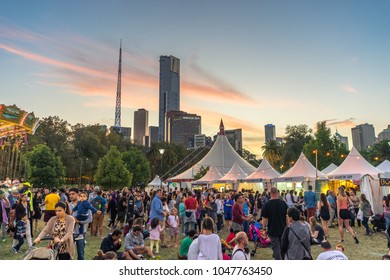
<point x="112" y="243"/>
<point x="186" y="243"/>
<point x="134" y="242"/>
<point x="82" y="213"/>
<point x="329" y="254"/>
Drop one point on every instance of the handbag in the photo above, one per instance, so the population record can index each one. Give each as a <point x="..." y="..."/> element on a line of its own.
<point x="304" y="246"/>
<point x="359" y="215"/>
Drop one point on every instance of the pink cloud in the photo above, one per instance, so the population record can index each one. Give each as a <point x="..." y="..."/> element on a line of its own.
<point x="349" y="89"/>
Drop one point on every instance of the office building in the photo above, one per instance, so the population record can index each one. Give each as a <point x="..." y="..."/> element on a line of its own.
<point x="141" y="122"/>
<point x="126" y="132"/>
<point x="269" y="132"/>
<point x="385" y="134"/>
<point x="363" y="136"/>
<point x="199" y="140"/>
<point x="169" y="91"/>
<point x="182" y="127"/>
<point x="153" y="135"/>
<point x="235" y="138"/>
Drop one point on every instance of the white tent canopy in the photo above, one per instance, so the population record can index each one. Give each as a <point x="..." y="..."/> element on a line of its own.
<point x="234" y="174"/>
<point x="210" y="176"/>
<point x="354" y="167"/>
<point x="370" y="187"/>
<point x="264" y="172"/>
<point x="385" y="168"/>
<point x="222" y="155"/>
<point x="301" y="171"/>
<point x="156" y="183"/>
<point x="329" y="169"/>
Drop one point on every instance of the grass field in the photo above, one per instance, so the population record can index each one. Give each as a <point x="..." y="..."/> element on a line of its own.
<point x="369" y="248"/>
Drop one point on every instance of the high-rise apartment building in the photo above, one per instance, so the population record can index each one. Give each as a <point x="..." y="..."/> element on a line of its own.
<point x="153" y="135"/>
<point x="126" y="132"/>
<point x="169" y="91"/>
<point x="235" y="138"/>
<point x="269" y="132"/>
<point x="182" y="127"/>
<point x="385" y="134"/>
<point x="363" y="136"/>
<point x="141" y="122"/>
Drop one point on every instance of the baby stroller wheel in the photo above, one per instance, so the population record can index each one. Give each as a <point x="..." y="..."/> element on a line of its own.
<point x="253" y="252"/>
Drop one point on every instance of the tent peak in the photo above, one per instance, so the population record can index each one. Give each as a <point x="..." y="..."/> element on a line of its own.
<point x="221" y="128"/>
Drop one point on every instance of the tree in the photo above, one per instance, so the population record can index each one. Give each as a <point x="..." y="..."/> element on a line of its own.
<point x="380" y="151"/>
<point x="296" y="137"/>
<point x="47" y="170"/>
<point x="328" y="148"/>
<point x="202" y="171"/>
<point x="249" y="157"/>
<point x="137" y="164"/>
<point x="272" y="152"/>
<point x="112" y="172"/>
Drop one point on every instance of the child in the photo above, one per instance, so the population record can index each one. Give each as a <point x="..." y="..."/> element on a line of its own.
<point x="173" y="223"/>
<point x="82" y="208"/>
<point x="20" y="233"/>
<point x="12" y="221"/>
<point x="231" y="239"/>
<point x="154" y="236"/>
<point x="264" y="239"/>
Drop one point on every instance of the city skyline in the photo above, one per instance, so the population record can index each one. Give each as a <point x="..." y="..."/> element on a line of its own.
<point x="248" y="63"/>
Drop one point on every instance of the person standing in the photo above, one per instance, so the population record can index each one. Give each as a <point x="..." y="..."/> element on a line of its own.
<point x="227" y="208"/>
<point x="292" y="247"/>
<point x="50" y="201"/>
<point x="365" y="206"/>
<point x="4" y="208"/>
<point x="323" y="208"/>
<point x="37" y="202"/>
<point x="61" y="228"/>
<point x="310" y="202"/>
<point x="344" y="214"/>
<point x="238" y="216"/>
<point x="23" y="208"/>
<point x="274" y="216"/>
<point x="100" y="203"/>
<point x="356" y="205"/>
<point x="80" y="243"/>
<point x="157" y="211"/>
<point x="332" y="208"/>
<point x="190" y="204"/>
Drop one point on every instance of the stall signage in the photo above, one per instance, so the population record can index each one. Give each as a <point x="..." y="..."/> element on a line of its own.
<point x="384" y="181"/>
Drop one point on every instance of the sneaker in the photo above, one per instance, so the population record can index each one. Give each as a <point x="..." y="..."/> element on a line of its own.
<point x="141" y="257"/>
<point x="79" y="237"/>
<point x="14" y="250"/>
<point x="3" y="239"/>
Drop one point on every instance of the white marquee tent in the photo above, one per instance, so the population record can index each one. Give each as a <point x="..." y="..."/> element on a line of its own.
<point x="264" y="172"/>
<point x="385" y="168"/>
<point x="302" y="171"/>
<point x="222" y="156"/>
<point x="329" y="169"/>
<point x="355" y="167"/>
<point x="234" y="174"/>
<point x="211" y="176"/>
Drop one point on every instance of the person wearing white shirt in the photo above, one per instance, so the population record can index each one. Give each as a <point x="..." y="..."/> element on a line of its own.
<point x="239" y="250"/>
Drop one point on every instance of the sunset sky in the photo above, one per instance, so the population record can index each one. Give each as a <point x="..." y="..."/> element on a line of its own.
<point x="248" y="62"/>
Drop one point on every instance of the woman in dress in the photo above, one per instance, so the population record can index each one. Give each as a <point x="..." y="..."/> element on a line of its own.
<point x="323" y="208"/>
<point x="37" y="202"/>
<point x="344" y="214"/>
<point x="60" y="227"/>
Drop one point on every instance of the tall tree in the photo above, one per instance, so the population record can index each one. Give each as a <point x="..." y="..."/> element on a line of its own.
<point x="137" y="164"/>
<point x="112" y="172"/>
<point x="47" y="170"/>
<point x="272" y="152"/>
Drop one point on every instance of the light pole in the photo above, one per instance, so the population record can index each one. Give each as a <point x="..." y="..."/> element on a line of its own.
<point x="161" y="153"/>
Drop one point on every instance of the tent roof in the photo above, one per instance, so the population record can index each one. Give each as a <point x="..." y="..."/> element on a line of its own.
<point x="222" y="155"/>
<point x="156" y="182"/>
<point x="234" y="174"/>
<point x="210" y="176"/>
<point x="265" y="171"/>
<point x="384" y="166"/>
<point x="354" y="167"/>
<point x="301" y="170"/>
<point x="329" y="169"/>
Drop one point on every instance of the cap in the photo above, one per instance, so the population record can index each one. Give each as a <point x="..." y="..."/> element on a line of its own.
<point x="326" y="245"/>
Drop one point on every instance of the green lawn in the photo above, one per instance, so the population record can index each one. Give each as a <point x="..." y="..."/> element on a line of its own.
<point x="369" y="248"/>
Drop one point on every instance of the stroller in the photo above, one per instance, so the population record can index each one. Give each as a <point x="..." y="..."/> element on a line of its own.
<point x="42" y="253"/>
<point x="255" y="236"/>
<point x="378" y="223"/>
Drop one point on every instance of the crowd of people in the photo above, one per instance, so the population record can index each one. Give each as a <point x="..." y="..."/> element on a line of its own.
<point x="290" y="222"/>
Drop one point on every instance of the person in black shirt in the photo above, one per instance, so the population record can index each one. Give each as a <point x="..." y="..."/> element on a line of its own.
<point x="274" y="217"/>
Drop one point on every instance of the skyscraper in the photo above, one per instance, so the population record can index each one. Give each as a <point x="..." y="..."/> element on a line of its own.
<point x="269" y="132"/>
<point x="141" y="122"/>
<point x="385" y="134"/>
<point x="153" y="135"/>
<point x="169" y="92"/>
<point x="342" y="139"/>
<point x="363" y="136"/>
<point x="182" y="127"/>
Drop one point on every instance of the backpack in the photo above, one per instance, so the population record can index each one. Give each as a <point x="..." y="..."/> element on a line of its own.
<point x="239" y="250"/>
<point x="97" y="203"/>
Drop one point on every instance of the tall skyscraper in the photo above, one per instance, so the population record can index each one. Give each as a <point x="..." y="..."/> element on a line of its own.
<point x="153" y="135"/>
<point x="169" y="92"/>
<point x="269" y="132"/>
<point x="234" y="137"/>
<point x="182" y="127"/>
<point x="363" y="136"/>
<point x="141" y="122"/>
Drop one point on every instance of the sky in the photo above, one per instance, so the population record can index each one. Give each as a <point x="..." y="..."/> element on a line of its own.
<point x="249" y="63"/>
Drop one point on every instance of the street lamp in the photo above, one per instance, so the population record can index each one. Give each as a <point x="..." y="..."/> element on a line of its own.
<point x="161" y="153"/>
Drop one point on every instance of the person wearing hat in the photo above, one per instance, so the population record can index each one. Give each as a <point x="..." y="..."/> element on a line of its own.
<point x="329" y="254"/>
